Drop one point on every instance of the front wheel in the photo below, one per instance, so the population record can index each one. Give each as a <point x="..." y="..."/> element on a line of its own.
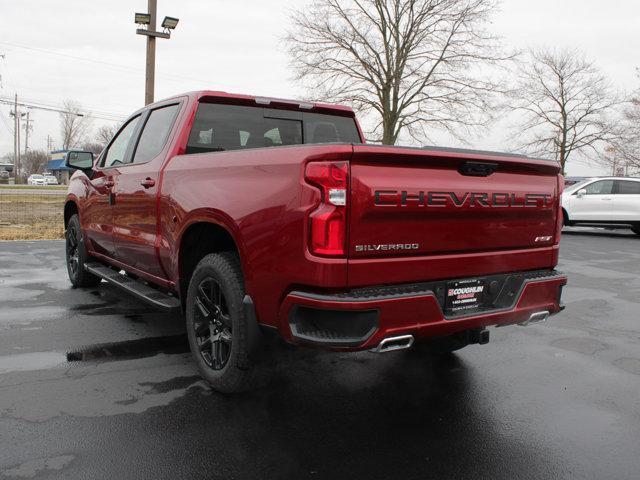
<point x="76" y="255"/>
<point x="216" y="325"/>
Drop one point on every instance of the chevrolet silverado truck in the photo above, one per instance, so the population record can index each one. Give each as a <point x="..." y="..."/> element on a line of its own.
<point x="249" y="214"/>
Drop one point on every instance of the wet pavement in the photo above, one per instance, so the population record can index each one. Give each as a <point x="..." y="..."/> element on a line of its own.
<point x="94" y="384"/>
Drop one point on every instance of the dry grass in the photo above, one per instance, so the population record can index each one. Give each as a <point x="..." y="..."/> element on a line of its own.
<point x="31" y="216"/>
<point x="37" y="231"/>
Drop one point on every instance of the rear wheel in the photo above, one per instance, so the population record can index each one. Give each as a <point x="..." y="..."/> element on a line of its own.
<point x="76" y="255"/>
<point x="216" y="323"/>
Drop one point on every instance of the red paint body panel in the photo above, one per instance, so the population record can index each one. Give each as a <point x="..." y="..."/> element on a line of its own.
<point x="422" y="317"/>
<point x="260" y="197"/>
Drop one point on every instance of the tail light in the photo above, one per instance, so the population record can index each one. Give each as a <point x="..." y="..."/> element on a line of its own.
<point x="560" y="214"/>
<point x="328" y="221"/>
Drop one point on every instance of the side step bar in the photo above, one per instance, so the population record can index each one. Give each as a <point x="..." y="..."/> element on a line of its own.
<point x="138" y="289"/>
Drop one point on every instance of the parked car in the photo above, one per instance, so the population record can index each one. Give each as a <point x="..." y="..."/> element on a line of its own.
<point x="36" y="179"/>
<point x="251" y="215"/>
<point x="612" y="202"/>
<point x="51" y="180"/>
<point x="4" y="176"/>
<point x="568" y="181"/>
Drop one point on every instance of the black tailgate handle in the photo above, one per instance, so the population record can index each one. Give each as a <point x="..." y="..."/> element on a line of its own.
<point x="477" y="169"/>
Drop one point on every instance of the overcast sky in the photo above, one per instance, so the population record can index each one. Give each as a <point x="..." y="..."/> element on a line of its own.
<point x="88" y="51"/>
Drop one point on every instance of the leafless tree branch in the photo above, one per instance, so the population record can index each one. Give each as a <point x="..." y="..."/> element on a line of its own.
<point x="413" y="65"/>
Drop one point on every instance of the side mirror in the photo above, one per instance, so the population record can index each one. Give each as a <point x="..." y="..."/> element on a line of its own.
<point x="79" y="160"/>
<point x="581" y="193"/>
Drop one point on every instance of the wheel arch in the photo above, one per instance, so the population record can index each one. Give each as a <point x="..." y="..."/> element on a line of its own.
<point x="200" y="238"/>
<point x="70" y="208"/>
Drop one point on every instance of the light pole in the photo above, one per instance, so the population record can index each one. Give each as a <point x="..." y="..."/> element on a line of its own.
<point x="149" y="19"/>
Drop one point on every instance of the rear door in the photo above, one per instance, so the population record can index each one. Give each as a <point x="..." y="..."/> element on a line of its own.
<point x="626" y="201"/>
<point x="136" y="189"/>
<point x="596" y="204"/>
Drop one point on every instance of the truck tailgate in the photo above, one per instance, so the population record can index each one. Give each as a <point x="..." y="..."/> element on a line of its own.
<point x="417" y="203"/>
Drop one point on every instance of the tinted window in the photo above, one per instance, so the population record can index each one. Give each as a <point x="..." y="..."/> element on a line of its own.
<point x="320" y="128"/>
<point x="155" y="133"/>
<point x="603" y="187"/>
<point x="118" y="148"/>
<point x="627" y="188"/>
<point x="232" y="127"/>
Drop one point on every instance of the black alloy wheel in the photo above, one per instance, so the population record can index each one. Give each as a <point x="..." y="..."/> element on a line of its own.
<point x="212" y="324"/>
<point x="73" y="254"/>
<point x="76" y="256"/>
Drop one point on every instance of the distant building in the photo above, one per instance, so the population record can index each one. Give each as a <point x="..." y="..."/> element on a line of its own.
<point x="57" y="168"/>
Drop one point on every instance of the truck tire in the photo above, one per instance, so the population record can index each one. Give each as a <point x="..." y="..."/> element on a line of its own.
<point x="216" y="325"/>
<point x="76" y="256"/>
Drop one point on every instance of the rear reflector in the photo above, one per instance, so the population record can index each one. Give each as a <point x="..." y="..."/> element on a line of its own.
<point x="328" y="221"/>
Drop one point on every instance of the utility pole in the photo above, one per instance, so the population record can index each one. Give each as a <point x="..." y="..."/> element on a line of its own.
<point x="150" y="19"/>
<point x="16" y="138"/>
<point x="49" y="144"/>
<point x="150" y="77"/>
<point x="27" y="128"/>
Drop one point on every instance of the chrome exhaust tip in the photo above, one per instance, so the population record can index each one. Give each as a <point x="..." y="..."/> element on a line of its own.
<point x="390" y="344"/>
<point x="537" y="317"/>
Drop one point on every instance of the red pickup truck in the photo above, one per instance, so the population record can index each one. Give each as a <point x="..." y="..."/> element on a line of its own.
<point x="250" y="214"/>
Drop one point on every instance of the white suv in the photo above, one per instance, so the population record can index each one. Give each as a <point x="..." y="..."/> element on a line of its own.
<point x="610" y="201"/>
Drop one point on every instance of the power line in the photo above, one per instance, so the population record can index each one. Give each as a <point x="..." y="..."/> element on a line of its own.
<point x="127" y="68"/>
<point x="52" y="108"/>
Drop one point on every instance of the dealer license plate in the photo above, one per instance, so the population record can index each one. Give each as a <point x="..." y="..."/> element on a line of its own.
<point x="465" y="296"/>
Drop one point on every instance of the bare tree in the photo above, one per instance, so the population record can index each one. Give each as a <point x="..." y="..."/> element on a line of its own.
<point x="567" y="106"/>
<point x="105" y="133"/>
<point x="415" y="65"/>
<point x="627" y="151"/>
<point x="34" y="161"/>
<point x="74" y="125"/>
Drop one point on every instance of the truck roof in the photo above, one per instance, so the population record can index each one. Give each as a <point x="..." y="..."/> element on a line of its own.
<point x="288" y="104"/>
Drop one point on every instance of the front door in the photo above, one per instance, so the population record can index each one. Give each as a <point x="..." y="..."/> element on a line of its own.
<point x="97" y="215"/>
<point x="136" y="190"/>
<point x="596" y="204"/>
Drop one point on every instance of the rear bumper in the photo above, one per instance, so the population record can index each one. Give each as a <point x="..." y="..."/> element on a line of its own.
<point x="361" y="319"/>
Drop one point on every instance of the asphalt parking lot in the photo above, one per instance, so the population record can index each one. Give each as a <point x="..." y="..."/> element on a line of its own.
<point x="95" y="385"/>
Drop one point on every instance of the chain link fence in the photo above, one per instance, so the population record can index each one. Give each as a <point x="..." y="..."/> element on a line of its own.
<point x="31" y="213"/>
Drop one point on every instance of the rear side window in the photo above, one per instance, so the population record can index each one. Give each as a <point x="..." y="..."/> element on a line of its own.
<point x="624" y="187"/>
<point x="219" y="128"/>
<point x="602" y="187"/>
<point x="155" y="133"/>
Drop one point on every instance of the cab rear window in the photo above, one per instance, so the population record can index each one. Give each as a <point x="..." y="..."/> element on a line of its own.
<point x="219" y="128"/>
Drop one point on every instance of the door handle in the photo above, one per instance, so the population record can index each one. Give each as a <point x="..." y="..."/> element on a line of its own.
<point x="148" y="182"/>
<point x="607" y="199"/>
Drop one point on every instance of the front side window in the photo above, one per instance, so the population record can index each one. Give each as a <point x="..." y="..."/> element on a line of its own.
<point x="626" y="187"/>
<point x="602" y="187"/>
<point x="155" y="133"/>
<point x="232" y="127"/>
<point x="116" y="155"/>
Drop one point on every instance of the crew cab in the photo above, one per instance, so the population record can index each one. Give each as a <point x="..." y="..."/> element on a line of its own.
<point x="612" y="202"/>
<point x="251" y="215"/>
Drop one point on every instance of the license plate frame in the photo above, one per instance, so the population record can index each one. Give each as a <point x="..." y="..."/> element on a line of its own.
<point x="465" y="296"/>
